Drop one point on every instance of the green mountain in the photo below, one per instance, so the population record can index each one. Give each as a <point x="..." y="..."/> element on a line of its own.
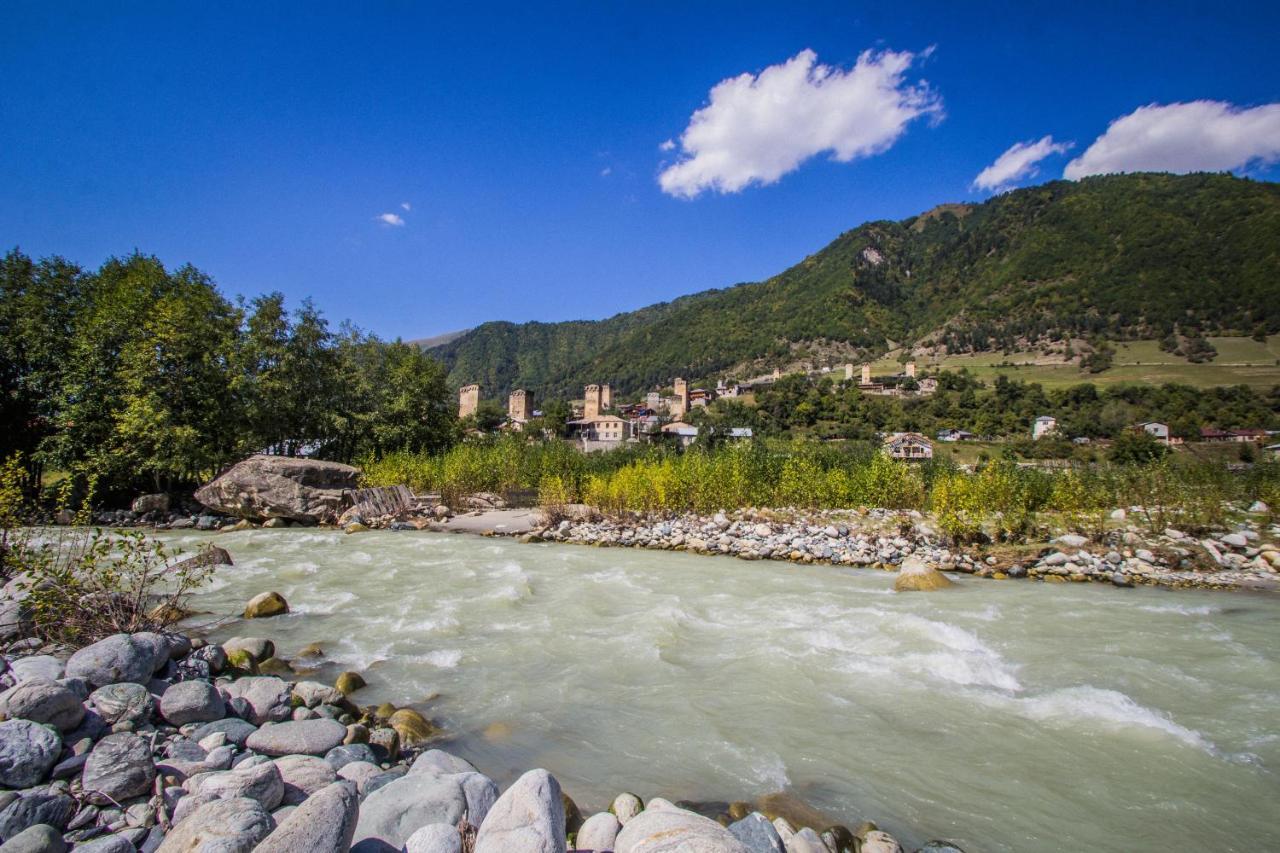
<point x="1120" y="257"/>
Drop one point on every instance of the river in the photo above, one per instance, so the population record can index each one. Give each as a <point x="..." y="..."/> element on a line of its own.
<point x="1004" y="716"/>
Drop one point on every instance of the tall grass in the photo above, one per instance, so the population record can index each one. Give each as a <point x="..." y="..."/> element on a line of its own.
<point x="1000" y="499"/>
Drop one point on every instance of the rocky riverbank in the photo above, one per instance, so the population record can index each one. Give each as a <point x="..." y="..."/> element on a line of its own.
<point x="163" y="742"/>
<point x="1126" y="555"/>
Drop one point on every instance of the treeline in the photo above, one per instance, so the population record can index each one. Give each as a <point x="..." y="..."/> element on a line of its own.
<point x="826" y="408"/>
<point x="999" y="500"/>
<point x="134" y="377"/>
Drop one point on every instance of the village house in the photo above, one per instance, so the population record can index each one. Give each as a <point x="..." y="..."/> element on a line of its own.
<point x="683" y="433"/>
<point x="909" y="446"/>
<point x="1044" y="425"/>
<point x="602" y="432"/>
<point x="954" y="434"/>
<point x="1211" y="434"/>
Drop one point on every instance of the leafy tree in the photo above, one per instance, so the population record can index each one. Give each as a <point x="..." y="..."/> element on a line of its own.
<point x="1136" y="447"/>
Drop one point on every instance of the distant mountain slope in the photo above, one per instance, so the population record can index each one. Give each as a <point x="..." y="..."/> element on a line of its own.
<point x="1123" y="256"/>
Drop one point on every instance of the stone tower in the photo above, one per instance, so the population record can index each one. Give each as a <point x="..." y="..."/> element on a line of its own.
<point x="848" y="372"/>
<point x="866" y="374"/>
<point x="911" y="369"/>
<point x="606" y="397"/>
<point x="468" y="400"/>
<point x="519" y="405"/>
<point x="680" y="399"/>
<point x="591" y="406"/>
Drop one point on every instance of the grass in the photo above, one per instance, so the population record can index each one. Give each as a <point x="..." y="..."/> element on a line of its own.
<point x="1240" y="361"/>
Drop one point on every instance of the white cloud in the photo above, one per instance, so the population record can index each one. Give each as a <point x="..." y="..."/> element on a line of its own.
<point x="1017" y="163"/>
<point x="1198" y="136"/>
<point x="667" y="145"/>
<point x="405" y="206"/>
<point x="606" y="171"/>
<point x="393" y="219"/>
<point x="757" y="128"/>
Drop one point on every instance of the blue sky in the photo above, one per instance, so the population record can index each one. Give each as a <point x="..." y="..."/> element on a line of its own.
<point x="263" y="145"/>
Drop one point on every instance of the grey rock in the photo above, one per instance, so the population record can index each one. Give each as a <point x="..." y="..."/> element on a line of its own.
<point x="259" y="648"/>
<point x="261" y="783"/>
<point x="625" y="807"/>
<point x="669" y="829"/>
<point x="434" y="838"/>
<point x="939" y="847"/>
<point x="303" y="737"/>
<point x="806" y="841"/>
<point x="192" y="702"/>
<point x="125" y="701"/>
<point x="527" y="818"/>
<point x="396" y="809"/>
<point x="36" y="839"/>
<point x="880" y="842"/>
<point x="213" y="655"/>
<point x="120" y="657"/>
<point x="119" y="767"/>
<point x="313" y="693"/>
<point x="598" y="832"/>
<point x="265" y="695"/>
<point x="42" y="701"/>
<point x="107" y="844"/>
<point x="262" y="487"/>
<point x="344" y="754"/>
<point x="439" y="762"/>
<point x="304" y="775"/>
<point x="1072" y="540"/>
<point x="325" y="823"/>
<point x="27" y="752"/>
<point x="360" y="772"/>
<point x="757" y="834"/>
<point x="1234" y="540"/>
<point x="36" y="807"/>
<point x="236" y="730"/>
<point x="46" y="667"/>
<point x="224" y="826"/>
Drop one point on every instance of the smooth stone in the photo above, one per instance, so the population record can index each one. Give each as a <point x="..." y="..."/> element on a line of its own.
<point x="527" y="818"/>
<point x="258" y="648"/>
<point x="27" y="751"/>
<point x="806" y="841"/>
<point x="304" y="737"/>
<point x="757" y="834"/>
<point x="348" y="683"/>
<point x="413" y="728"/>
<point x="265" y="696"/>
<point x="598" y="832"/>
<point x="325" y="823"/>
<point x="675" y="830"/>
<point x="434" y="838"/>
<point x="399" y="807"/>
<point x="1072" y="540"/>
<point x="126" y="701"/>
<point x="223" y="826"/>
<point x="192" y="702"/>
<point x="304" y="775"/>
<point x="119" y="767"/>
<point x="107" y="844"/>
<point x="37" y="666"/>
<point x="120" y="657"/>
<point x="265" y="605"/>
<point x="237" y="731"/>
<point x="359" y="772"/>
<point x="916" y="575"/>
<point x="439" y="762"/>
<point x="261" y="783"/>
<point x="939" y="847"/>
<point x="880" y="842"/>
<point x="625" y="806"/>
<point x="45" y="702"/>
<point x="313" y="693"/>
<point x="36" y="839"/>
<point x="344" y="754"/>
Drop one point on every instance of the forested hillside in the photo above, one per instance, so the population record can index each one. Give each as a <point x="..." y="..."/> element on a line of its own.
<point x="1121" y="257"/>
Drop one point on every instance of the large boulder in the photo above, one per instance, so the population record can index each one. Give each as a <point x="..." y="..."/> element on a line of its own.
<point x="325" y="823"/>
<point x="434" y="838"/>
<point x="120" y="657"/>
<point x="668" y="830"/>
<point x="528" y="818"/>
<point x="46" y="702"/>
<point x="123" y="702"/>
<point x="757" y="834"/>
<point x="263" y="487"/>
<point x="236" y="825"/>
<point x="261" y="783"/>
<point x="33" y="808"/>
<point x="304" y="775"/>
<point x="40" y="838"/>
<point x="192" y="702"/>
<point x="266" y="695"/>
<point x="598" y="832"/>
<point x="27" y="752"/>
<point x="393" y="812"/>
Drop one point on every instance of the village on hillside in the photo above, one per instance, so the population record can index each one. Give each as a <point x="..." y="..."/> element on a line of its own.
<point x="598" y="423"/>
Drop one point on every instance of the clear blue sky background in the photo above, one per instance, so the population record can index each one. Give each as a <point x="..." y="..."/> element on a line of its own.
<point x="260" y="141"/>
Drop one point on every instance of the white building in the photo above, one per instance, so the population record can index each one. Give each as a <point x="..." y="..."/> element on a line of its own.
<point x="1155" y="429"/>
<point x="1044" y="425"/>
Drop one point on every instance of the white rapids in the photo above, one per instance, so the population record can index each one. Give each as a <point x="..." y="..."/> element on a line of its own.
<point x="1004" y="716"/>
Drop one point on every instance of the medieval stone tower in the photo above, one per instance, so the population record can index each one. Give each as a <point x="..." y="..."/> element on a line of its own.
<point x="848" y="372"/>
<point x="468" y="400"/>
<point x="520" y="405"/>
<point x="911" y="369"/>
<point x="591" y="406"/>
<point x="680" y="398"/>
<point x="606" y="397"/>
<point x="866" y="374"/>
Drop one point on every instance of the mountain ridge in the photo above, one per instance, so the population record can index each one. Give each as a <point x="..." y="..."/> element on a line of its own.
<point x="1119" y="256"/>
